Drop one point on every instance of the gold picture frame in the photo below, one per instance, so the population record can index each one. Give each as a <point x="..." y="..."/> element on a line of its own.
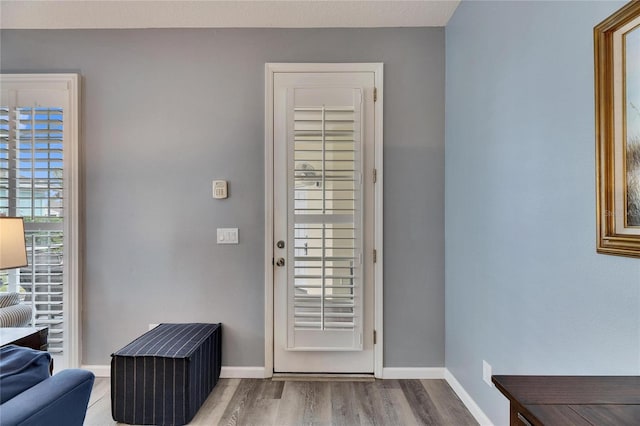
<point x="617" y="99"/>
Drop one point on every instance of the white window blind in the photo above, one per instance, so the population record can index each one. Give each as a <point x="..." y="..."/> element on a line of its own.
<point x="31" y="186"/>
<point x="327" y="218"/>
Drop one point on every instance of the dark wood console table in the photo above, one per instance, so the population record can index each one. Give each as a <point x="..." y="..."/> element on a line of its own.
<point x="30" y="337"/>
<point x="572" y="400"/>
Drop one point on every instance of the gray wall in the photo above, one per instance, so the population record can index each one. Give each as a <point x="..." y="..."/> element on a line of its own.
<point x="167" y="111"/>
<point x="525" y="289"/>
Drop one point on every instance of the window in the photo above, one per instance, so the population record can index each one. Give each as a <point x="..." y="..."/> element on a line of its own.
<point x="327" y="213"/>
<point x="39" y="182"/>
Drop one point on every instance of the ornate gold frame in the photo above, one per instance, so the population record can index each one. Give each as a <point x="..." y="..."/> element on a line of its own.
<point x="614" y="236"/>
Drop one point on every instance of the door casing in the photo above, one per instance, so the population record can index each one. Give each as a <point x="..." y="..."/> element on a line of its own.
<point x="68" y="85"/>
<point x="270" y="70"/>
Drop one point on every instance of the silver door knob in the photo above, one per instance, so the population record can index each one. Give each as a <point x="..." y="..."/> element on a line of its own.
<point x="280" y="244"/>
<point x="280" y="262"/>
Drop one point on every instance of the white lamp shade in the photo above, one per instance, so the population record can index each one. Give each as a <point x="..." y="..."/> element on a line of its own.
<point x="13" y="252"/>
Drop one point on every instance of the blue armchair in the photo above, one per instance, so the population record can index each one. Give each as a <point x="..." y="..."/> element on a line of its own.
<point x="29" y="396"/>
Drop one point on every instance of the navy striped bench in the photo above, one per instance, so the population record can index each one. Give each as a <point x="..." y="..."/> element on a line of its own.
<point x="164" y="376"/>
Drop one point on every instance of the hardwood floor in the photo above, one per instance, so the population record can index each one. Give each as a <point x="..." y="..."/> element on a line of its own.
<point x="266" y="402"/>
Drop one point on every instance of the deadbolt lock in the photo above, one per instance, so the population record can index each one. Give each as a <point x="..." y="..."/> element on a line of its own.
<point x="280" y="244"/>
<point x="280" y="261"/>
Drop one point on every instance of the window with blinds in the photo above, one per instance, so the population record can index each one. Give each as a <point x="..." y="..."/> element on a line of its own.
<point x="31" y="186"/>
<point x="327" y="218"/>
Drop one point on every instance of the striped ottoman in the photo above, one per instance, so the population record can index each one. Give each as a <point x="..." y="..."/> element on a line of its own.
<point x="164" y="376"/>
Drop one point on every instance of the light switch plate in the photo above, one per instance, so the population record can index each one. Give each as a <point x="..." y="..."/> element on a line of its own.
<point x="227" y="236"/>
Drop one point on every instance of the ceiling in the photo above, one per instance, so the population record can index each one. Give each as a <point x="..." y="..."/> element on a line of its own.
<point x="41" y="14"/>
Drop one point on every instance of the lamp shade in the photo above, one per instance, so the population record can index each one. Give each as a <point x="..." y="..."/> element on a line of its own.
<point x="13" y="252"/>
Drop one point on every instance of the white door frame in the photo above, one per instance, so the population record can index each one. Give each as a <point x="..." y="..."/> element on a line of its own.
<point x="270" y="70"/>
<point x="72" y="226"/>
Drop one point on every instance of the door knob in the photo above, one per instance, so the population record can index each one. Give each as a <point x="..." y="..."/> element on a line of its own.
<point x="280" y="244"/>
<point x="280" y="262"/>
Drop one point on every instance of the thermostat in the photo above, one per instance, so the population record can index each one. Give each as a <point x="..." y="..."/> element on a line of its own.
<point x="219" y="189"/>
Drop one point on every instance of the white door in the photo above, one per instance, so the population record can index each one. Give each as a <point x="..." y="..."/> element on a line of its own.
<point x="323" y="222"/>
<point x="39" y="182"/>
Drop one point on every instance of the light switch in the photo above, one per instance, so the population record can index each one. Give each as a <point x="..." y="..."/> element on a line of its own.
<point x="227" y="235"/>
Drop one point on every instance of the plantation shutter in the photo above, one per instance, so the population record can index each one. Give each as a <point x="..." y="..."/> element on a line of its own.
<point x="325" y="219"/>
<point x="31" y="186"/>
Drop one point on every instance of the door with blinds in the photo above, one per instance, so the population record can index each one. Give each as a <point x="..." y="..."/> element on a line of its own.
<point x="323" y="222"/>
<point x="38" y="131"/>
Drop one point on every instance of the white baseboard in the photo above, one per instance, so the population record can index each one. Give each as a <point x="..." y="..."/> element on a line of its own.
<point x="413" y="373"/>
<point x="98" y="370"/>
<point x="242" y="373"/>
<point x="226" y="373"/>
<point x="466" y="399"/>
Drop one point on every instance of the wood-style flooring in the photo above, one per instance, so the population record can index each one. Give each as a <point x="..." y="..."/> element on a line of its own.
<point x="266" y="402"/>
